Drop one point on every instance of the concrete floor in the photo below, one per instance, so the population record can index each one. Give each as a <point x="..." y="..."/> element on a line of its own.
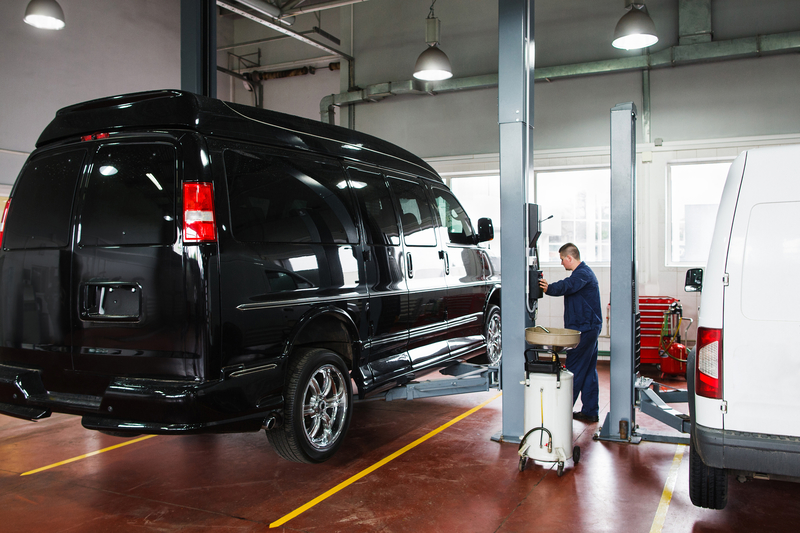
<point x="455" y="481"/>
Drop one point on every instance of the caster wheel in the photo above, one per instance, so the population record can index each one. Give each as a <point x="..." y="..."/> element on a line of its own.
<point x="576" y="454"/>
<point x="560" y="471"/>
<point x="523" y="461"/>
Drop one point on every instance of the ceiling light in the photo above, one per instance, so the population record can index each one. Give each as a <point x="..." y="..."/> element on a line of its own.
<point x="45" y="14"/>
<point x="432" y="64"/>
<point x="635" y="29"/>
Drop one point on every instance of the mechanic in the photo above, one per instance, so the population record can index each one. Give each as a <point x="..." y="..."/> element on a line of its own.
<point x="582" y="312"/>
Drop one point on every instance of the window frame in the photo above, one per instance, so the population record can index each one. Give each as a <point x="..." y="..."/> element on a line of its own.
<point x="668" y="261"/>
<point x="534" y="191"/>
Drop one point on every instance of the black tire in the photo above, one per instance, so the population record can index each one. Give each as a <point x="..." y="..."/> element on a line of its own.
<point x="576" y="454"/>
<point x="560" y="470"/>
<point x="492" y="331"/>
<point x="317" y="408"/>
<point x="523" y="462"/>
<point x="708" y="486"/>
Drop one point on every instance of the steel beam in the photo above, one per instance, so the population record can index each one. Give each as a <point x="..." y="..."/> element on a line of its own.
<point x="198" y="47"/>
<point x="277" y="26"/>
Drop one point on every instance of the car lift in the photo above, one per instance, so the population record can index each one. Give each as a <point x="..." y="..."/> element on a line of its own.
<point x="468" y="377"/>
<point x="628" y="389"/>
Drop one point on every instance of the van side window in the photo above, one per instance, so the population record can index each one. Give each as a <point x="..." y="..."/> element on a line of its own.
<point x="375" y="204"/>
<point x="41" y="207"/>
<point x="277" y="199"/>
<point x="454" y="218"/>
<point x="416" y="216"/>
<point x="130" y="196"/>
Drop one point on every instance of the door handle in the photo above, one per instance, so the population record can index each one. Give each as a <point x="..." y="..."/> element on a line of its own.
<point x="446" y="264"/>
<point x="409" y="266"/>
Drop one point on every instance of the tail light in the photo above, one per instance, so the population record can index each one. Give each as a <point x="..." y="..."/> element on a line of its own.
<point x="708" y="374"/>
<point x="199" y="224"/>
<point x="3" y="221"/>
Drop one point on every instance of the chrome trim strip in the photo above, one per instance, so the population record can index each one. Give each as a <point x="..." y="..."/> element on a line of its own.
<point x="246" y="371"/>
<point x="300" y="301"/>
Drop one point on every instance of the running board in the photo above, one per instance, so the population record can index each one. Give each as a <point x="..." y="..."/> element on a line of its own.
<point x="467" y="377"/>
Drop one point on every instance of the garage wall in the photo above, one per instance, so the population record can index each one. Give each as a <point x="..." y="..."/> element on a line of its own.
<point x="107" y="47"/>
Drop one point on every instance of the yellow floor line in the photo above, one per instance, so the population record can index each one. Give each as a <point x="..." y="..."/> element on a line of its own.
<point x="377" y="465"/>
<point x="669" y="486"/>
<point x="88" y="455"/>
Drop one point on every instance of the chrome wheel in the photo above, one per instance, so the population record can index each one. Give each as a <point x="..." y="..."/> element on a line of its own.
<point x="494" y="346"/>
<point x="318" y="407"/>
<point x="325" y="405"/>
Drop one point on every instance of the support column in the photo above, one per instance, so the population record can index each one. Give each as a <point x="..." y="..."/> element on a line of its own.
<point x="199" y="47"/>
<point x="515" y="98"/>
<point x="620" y="421"/>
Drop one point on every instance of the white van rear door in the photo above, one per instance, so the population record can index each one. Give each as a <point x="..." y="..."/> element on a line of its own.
<point x="761" y="328"/>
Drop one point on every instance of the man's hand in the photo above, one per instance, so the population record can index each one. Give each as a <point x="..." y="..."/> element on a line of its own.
<point x="543" y="284"/>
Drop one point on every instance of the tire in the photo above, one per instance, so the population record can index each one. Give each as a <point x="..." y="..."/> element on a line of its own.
<point x="492" y="330"/>
<point x="576" y="454"/>
<point x="708" y="486"/>
<point x="317" y="408"/>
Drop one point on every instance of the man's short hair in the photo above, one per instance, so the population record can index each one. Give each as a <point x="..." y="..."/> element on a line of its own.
<point x="571" y="250"/>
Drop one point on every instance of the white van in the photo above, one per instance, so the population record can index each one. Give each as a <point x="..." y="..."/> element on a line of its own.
<point x="743" y="375"/>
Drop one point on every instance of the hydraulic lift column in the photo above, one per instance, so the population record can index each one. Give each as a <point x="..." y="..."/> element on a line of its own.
<point x="515" y="113"/>
<point x="620" y="422"/>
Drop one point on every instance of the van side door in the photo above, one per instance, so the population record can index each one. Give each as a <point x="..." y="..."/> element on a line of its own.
<point x="464" y="273"/>
<point x="424" y="270"/>
<point x="290" y="251"/>
<point x="387" y="329"/>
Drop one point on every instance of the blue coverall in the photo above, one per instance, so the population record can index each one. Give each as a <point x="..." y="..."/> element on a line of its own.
<point x="582" y="312"/>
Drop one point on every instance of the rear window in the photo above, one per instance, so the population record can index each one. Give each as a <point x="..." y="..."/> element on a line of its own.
<point x="297" y="200"/>
<point x="130" y="196"/>
<point x="41" y="207"/>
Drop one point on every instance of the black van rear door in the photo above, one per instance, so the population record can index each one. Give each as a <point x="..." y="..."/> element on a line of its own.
<point x="127" y="275"/>
<point x="35" y="304"/>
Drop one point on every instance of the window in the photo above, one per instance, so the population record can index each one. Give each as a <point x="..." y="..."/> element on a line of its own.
<point x="416" y="216"/>
<point x="39" y="215"/>
<point x="694" y="193"/>
<point x="376" y="207"/>
<point x="580" y="203"/>
<point x="454" y="218"/>
<point x="277" y="199"/>
<point x="130" y="197"/>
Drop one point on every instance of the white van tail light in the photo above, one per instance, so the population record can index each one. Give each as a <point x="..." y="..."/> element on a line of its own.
<point x="708" y="374"/>
<point x="3" y="221"/>
<point x="199" y="224"/>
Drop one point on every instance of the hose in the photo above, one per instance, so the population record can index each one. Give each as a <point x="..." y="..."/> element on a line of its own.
<point x="540" y="428"/>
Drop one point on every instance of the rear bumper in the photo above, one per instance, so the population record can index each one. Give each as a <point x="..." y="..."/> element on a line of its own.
<point x="748" y="452"/>
<point x="152" y="406"/>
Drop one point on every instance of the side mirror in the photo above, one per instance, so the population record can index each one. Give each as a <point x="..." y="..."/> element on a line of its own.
<point x="694" y="280"/>
<point x="485" y="230"/>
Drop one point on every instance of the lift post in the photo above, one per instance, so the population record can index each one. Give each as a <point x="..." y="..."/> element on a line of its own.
<point x="628" y="389"/>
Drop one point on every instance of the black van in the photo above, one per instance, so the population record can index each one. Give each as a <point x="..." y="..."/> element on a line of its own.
<point x="177" y="264"/>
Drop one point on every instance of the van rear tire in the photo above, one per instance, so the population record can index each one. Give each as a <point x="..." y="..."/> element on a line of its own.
<point x="317" y="408"/>
<point x="708" y="486"/>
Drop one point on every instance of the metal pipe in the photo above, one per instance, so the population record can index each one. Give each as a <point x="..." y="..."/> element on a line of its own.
<point x="780" y="43"/>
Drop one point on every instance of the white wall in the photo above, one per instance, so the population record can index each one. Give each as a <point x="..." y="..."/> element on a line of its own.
<point x="107" y="47"/>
